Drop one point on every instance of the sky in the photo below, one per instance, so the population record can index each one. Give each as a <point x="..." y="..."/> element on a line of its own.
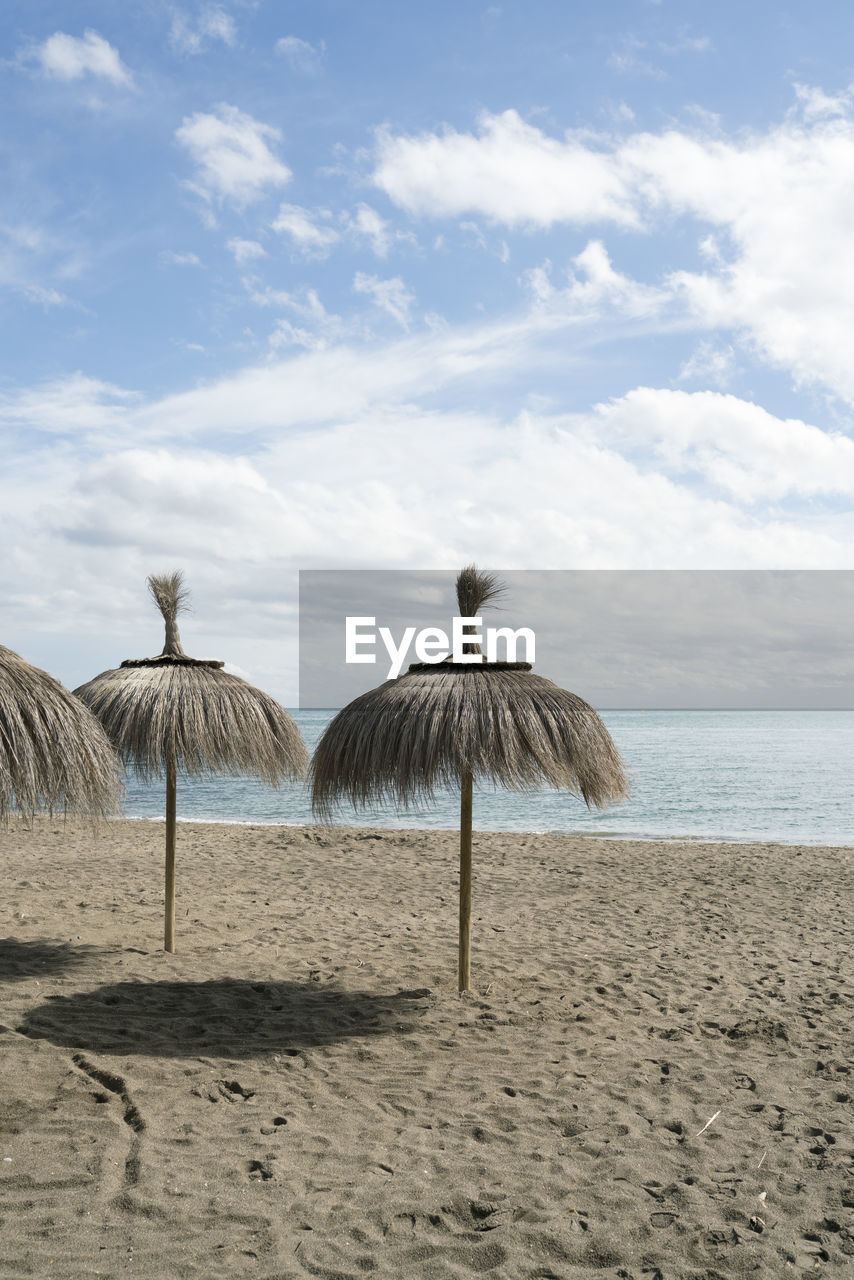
<point x="540" y="285"/>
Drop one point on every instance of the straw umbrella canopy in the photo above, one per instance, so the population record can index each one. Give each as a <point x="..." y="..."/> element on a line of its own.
<point x="444" y="724"/>
<point x="173" y="711"/>
<point x="53" y="752"/>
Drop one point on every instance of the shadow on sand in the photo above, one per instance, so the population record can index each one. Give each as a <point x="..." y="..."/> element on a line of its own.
<point x="226" y="1017"/>
<point x="26" y="959"/>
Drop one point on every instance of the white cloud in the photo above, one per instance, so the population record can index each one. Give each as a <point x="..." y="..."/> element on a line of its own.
<point x="305" y="302"/>
<point x="392" y="485"/>
<point x="815" y="103"/>
<point x="686" y="44"/>
<point x="264" y="295"/>
<point x="210" y="491"/>
<point x="232" y="153"/>
<point x="621" y="113"/>
<point x="475" y="232"/>
<point x="511" y="173"/>
<point x="30" y="256"/>
<point x="64" y="57"/>
<point x="333" y="383"/>
<point x="775" y="208"/>
<point x="627" y="60"/>
<point x="367" y="224"/>
<point x="600" y="283"/>
<point x="313" y="336"/>
<point x="44" y="296"/>
<point x="689" y="438"/>
<point x="783" y="202"/>
<point x="307" y="229"/>
<point x="76" y="405"/>
<point x="313" y="232"/>
<point x="245" y="250"/>
<point x="329" y="457"/>
<point x="170" y="258"/>
<point x="710" y="364"/>
<point x="596" y="287"/>
<point x="732" y="444"/>
<point x="630" y="59"/>
<point x="389" y="295"/>
<point x="538" y="282"/>
<point x="302" y="56"/>
<point x="286" y="335"/>
<point x="318" y="326"/>
<point x="212" y="23"/>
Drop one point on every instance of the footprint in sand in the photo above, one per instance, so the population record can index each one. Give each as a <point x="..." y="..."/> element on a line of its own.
<point x="276" y="1126"/>
<point x="229" y="1090"/>
<point x="811" y="1251"/>
<point x="261" y="1170"/>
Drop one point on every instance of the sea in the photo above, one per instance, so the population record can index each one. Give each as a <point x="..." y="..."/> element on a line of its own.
<point x="760" y="776"/>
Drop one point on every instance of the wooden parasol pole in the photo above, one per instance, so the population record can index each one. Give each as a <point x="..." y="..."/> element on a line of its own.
<point x="465" y="881"/>
<point x="171" y="788"/>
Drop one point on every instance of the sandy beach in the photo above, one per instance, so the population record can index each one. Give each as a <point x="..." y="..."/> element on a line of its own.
<point x="651" y="1079"/>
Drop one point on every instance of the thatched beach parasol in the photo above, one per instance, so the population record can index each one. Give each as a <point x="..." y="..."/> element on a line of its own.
<point x="53" y="752"/>
<point x="445" y="724"/>
<point x="173" y="712"/>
